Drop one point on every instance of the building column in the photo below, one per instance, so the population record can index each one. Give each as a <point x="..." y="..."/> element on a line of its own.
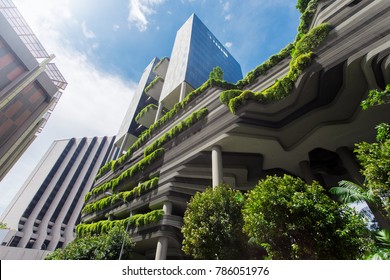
<point x="306" y="172"/>
<point x="216" y="165"/>
<point x="350" y="164"/>
<point x="183" y="91"/>
<point x="167" y="208"/>
<point x="123" y="144"/>
<point x="159" y="111"/>
<point x="162" y="248"/>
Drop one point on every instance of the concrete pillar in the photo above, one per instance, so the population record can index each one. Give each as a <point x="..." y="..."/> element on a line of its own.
<point x="123" y="145"/>
<point x="159" y="111"/>
<point x="162" y="248"/>
<point x="306" y="172"/>
<point x="167" y="208"/>
<point x="183" y="91"/>
<point x="350" y="164"/>
<point x="216" y="165"/>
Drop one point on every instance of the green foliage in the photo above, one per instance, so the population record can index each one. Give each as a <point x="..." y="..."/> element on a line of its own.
<point x="293" y="220"/>
<point x="152" y="83"/>
<point x="307" y="17"/>
<point x="128" y="196"/>
<point x="104" y="169"/>
<point x="375" y="161"/>
<point x="264" y="67"/>
<point x="216" y="73"/>
<point x="213" y="225"/>
<point x="147" y="134"/>
<point x="229" y="94"/>
<point x="105" y="226"/>
<point x="106" y="246"/>
<point x="302" y="5"/>
<point x="376" y="97"/>
<point x="159" y="63"/>
<point x="349" y="192"/>
<point x="3" y="225"/>
<point x="176" y="130"/>
<point x="113" y="184"/>
<point x="301" y="59"/>
<point x="144" y="111"/>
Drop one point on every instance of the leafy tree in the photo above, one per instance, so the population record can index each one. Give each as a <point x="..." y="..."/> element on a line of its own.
<point x="376" y="97"/>
<point x="216" y="73"/>
<point x="3" y="225"/>
<point x="213" y="225"/>
<point x="293" y="220"/>
<point x="302" y="5"/>
<point x="96" y="247"/>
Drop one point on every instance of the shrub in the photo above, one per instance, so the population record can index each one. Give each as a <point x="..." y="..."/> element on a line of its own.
<point x="212" y="226"/>
<point x="144" y="111"/>
<point x="130" y="172"/>
<point x="106" y="225"/>
<point x="293" y="220"/>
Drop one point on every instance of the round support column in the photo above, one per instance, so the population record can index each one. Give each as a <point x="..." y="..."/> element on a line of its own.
<point x="216" y="165"/>
<point x="183" y="90"/>
<point x="350" y="164"/>
<point x="159" y="111"/>
<point x="167" y="208"/>
<point x="162" y="248"/>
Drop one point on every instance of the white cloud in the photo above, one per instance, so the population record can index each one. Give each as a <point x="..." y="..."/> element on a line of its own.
<point x="228" y="17"/>
<point x="89" y="34"/>
<point x="115" y="27"/>
<point x="228" y="45"/>
<point x="226" y="7"/>
<point x="139" y="10"/>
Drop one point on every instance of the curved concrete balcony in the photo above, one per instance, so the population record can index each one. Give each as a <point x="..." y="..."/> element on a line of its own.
<point x="161" y="68"/>
<point x="154" y="88"/>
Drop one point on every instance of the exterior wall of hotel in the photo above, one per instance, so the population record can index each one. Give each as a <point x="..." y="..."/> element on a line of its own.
<point x="26" y="94"/>
<point x="47" y="207"/>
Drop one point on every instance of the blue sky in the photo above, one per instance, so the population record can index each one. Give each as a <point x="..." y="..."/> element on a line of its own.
<point x="103" y="46"/>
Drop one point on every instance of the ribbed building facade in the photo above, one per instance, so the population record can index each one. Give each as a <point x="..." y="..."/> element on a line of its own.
<point x="30" y="86"/>
<point x="309" y="133"/>
<point x="47" y="208"/>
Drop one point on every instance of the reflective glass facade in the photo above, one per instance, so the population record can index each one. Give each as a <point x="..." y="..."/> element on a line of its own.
<point x="195" y="53"/>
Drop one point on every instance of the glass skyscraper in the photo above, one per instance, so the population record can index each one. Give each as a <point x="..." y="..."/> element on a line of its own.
<point x="195" y="53"/>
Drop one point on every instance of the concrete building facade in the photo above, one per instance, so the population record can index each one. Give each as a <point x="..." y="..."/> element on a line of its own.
<point x="310" y="133"/>
<point x="47" y="207"/>
<point x="30" y="86"/>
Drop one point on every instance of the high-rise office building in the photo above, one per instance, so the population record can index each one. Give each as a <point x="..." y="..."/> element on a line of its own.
<point x="309" y="133"/>
<point x="166" y="81"/>
<point x="47" y="207"/>
<point x="30" y="86"/>
<point x="195" y="53"/>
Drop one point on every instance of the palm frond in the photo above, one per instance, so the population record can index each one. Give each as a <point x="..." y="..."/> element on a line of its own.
<point x="383" y="236"/>
<point x="349" y="192"/>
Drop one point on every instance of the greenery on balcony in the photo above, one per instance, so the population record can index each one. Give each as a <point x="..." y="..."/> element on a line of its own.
<point x="128" y="196"/>
<point x="176" y="130"/>
<point x="113" y="184"/>
<point x="144" y="111"/>
<point x="160" y="62"/>
<point x="105" y="226"/>
<point x="301" y="59"/>
<point x="153" y="83"/>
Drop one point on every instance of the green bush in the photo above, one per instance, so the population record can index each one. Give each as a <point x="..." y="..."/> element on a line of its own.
<point x="105" y="246"/>
<point x="144" y="111"/>
<point x="176" y="130"/>
<point x="301" y="59"/>
<point x="294" y="220"/>
<point x="105" y="226"/>
<point x="302" y="5"/>
<point x="152" y="83"/>
<point x="376" y="97"/>
<point x="212" y="226"/>
<point x="128" y="196"/>
<point x="130" y="172"/>
<point x="307" y="18"/>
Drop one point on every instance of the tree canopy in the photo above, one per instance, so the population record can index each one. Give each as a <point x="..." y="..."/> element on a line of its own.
<point x="294" y="220"/>
<point x="213" y="225"/>
<point x="216" y="73"/>
<point x="96" y="247"/>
